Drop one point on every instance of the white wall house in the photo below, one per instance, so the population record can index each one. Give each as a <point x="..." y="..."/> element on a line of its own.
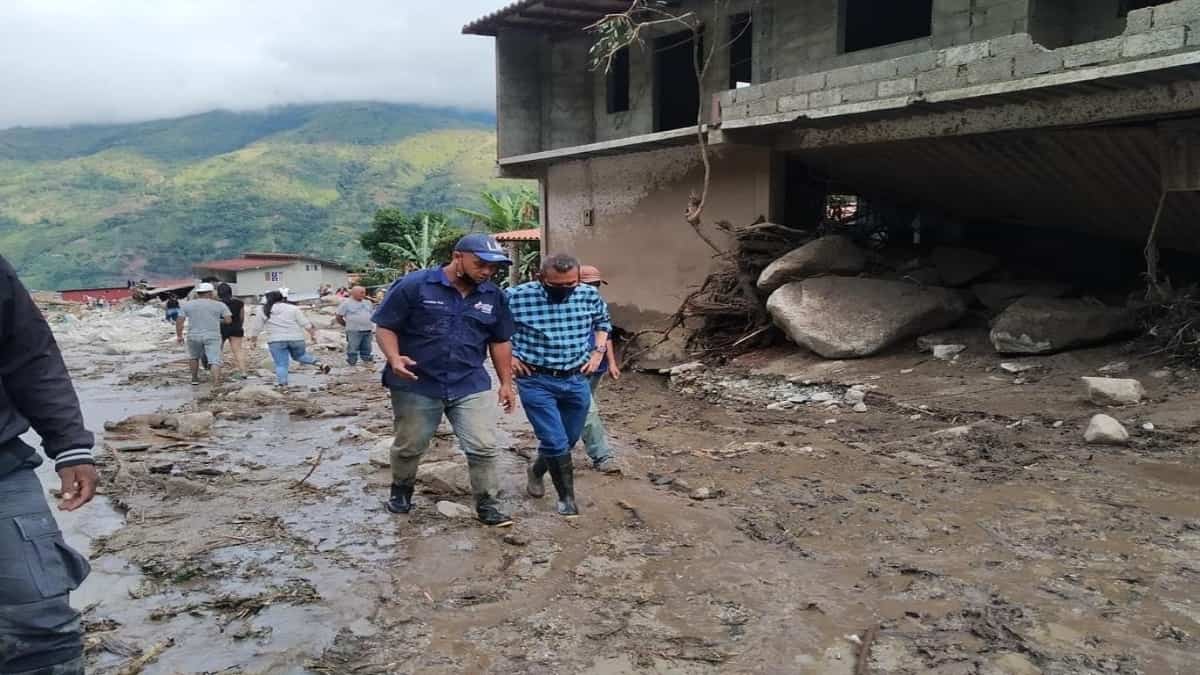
<point x="254" y="274"/>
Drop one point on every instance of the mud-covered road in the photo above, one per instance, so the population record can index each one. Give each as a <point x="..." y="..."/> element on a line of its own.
<point x="960" y="525"/>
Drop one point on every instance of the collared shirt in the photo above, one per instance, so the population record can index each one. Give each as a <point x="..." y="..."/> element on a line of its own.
<point x="556" y="335"/>
<point x="445" y="333"/>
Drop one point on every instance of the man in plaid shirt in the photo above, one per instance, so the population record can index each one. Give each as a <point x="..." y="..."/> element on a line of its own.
<point x="556" y="320"/>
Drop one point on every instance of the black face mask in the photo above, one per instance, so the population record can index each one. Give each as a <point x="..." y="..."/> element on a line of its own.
<point x="558" y="294"/>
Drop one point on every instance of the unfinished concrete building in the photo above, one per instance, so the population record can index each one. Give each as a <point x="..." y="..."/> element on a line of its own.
<point x="1066" y="115"/>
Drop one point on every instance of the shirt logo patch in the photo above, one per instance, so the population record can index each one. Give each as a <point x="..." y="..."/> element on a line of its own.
<point x="483" y="307"/>
<point x="433" y="302"/>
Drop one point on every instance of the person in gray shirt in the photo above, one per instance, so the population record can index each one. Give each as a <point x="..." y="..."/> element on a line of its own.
<point x="203" y="317"/>
<point x="355" y="314"/>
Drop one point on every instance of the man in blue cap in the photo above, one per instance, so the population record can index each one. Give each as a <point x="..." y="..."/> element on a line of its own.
<point x="434" y="327"/>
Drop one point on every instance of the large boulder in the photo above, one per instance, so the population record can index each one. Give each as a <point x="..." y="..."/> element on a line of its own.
<point x="961" y="266"/>
<point x="444" y="478"/>
<point x="191" y="424"/>
<point x="1047" y="325"/>
<point x="1113" y="391"/>
<point x="843" y="317"/>
<point x="1104" y="430"/>
<point x="998" y="295"/>
<point x="833" y="254"/>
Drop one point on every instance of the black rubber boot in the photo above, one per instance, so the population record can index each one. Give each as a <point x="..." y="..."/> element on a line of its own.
<point x="534" y="474"/>
<point x="562" y="472"/>
<point x="401" y="501"/>
<point x="487" y="508"/>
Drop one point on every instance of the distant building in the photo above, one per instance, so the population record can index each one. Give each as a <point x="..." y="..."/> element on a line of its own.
<point x="254" y="274"/>
<point x="107" y="293"/>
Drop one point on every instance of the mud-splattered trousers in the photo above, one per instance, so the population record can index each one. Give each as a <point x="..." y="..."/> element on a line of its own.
<point x="40" y="633"/>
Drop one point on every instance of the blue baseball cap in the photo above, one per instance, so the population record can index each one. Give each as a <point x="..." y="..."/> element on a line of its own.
<point x="485" y="246"/>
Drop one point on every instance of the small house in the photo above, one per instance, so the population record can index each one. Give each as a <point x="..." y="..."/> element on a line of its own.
<point x="255" y="274"/>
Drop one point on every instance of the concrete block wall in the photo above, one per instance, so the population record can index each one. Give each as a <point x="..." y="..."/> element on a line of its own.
<point x="1154" y="31"/>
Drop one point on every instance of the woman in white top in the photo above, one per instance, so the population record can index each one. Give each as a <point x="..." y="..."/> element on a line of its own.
<point x="285" y="326"/>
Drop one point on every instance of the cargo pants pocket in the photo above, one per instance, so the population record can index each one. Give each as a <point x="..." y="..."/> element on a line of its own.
<point x="55" y="567"/>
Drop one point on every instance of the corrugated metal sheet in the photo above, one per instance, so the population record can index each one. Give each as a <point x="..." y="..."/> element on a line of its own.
<point x="1105" y="181"/>
<point x="520" y="235"/>
<point x="550" y="15"/>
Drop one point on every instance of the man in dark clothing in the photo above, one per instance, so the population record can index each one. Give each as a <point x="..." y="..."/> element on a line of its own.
<point x="39" y="632"/>
<point x="434" y="327"/>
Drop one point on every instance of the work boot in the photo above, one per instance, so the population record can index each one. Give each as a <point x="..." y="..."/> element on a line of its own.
<point x="534" y="474"/>
<point x="608" y="465"/>
<point x="401" y="501"/>
<point x="562" y="472"/>
<point x="482" y="472"/>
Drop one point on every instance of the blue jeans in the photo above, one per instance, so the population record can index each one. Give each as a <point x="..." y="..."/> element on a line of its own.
<point x="557" y="408"/>
<point x="416" y="418"/>
<point x="38" y="571"/>
<point x="282" y="351"/>
<point x="595" y="438"/>
<point x="358" y="343"/>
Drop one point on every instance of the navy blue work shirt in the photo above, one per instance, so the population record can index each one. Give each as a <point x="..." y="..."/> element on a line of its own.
<point x="445" y="333"/>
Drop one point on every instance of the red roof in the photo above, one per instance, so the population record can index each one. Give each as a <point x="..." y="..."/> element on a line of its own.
<point x="520" y="235"/>
<point x="258" y="261"/>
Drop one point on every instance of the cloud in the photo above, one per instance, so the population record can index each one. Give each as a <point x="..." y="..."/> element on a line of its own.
<point x="89" y="61"/>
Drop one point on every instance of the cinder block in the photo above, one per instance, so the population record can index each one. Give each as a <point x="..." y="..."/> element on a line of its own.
<point x="1010" y="45"/>
<point x="1090" y="53"/>
<point x="879" y="70"/>
<point x="748" y="94"/>
<point x="1193" y="39"/>
<point x="901" y="87"/>
<point x="990" y="70"/>
<point x="1142" y="44"/>
<point x="778" y="88"/>
<point x="824" y="99"/>
<point x="807" y="83"/>
<point x="844" y="76"/>
<point x="1176" y="13"/>
<point x="763" y="106"/>
<point x="793" y="102"/>
<point x="951" y="77"/>
<point x="916" y="63"/>
<point x="964" y="54"/>
<point x="727" y="99"/>
<point x="950" y="23"/>
<point x="1036" y="63"/>
<point x="1139" y="20"/>
<point x="866" y="91"/>
<point x="951" y="6"/>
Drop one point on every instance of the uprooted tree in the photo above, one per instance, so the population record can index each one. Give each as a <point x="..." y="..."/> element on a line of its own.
<point x="727" y="301"/>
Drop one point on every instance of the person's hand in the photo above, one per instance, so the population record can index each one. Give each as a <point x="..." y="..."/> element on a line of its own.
<point x="400" y="365"/>
<point x="508" y="399"/>
<point x="593" y="363"/>
<point x="614" y="372"/>
<point x="520" y="369"/>
<point x="78" y="486"/>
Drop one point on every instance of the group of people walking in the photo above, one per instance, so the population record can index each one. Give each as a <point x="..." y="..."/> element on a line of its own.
<point x="547" y="341"/>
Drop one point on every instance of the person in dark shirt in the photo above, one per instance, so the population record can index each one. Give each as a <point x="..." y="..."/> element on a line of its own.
<point x="172" y="308"/>
<point x="235" y="331"/>
<point x="434" y="327"/>
<point x="39" y="631"/>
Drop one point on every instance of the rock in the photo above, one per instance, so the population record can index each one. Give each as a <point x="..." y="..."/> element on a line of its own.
<point x="1046" y="325"/>
<point x="689" y="367"/>
<point x="1116" y="368"/>
<point x="927" y="342"/>
<point x="381" y="454"/>
<point x="822" y="397"/>
<point x="192" y="424"/>
<point x="1014" y="367"/>
<point x="1104" y="430"/>
<point x="840" y="317"/>
<point x="999" y="295"/>
<point x="834" y="254"/>
<point x="953" y="432"/>
<point x="454" y="510"/>
<point x="257" y="393"/>
<point x="947" y="352"/>
<point x="854" y="396"/>
<point x="1148" y="426"/>
<point x="1161" y="374"/>
<point x="1113" y="391"/>
<point x="701" y="494"/>
<point x="445" y="478"/>
<point x="860" y="407"/>
<point x="1012" y="663"/>
<point x="1057" y="424"/>
<point x="781" y="405"/>
<point x="960" y="266"/>
<point x="515" y="540"/>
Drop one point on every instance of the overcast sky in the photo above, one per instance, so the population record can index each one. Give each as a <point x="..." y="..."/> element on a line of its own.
<point x="78" y="61"/>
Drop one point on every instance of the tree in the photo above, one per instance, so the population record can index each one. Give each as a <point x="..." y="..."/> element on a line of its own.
<point x="398" y="242"/>
<point x="506" y="211"/>
<point x="420" y="250"/>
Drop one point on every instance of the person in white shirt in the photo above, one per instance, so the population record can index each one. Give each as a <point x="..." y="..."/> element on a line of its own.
<point x="355" y="314"/>
<point x="285" y="326"/>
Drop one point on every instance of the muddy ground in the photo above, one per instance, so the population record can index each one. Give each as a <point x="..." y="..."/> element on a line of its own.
<point x="831" y="541"/>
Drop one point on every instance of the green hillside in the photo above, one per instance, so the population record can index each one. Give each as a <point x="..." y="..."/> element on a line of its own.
<point x="92" y="205"/>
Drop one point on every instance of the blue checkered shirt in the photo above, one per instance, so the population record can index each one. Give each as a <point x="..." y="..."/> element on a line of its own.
<point x="554" y="335"/>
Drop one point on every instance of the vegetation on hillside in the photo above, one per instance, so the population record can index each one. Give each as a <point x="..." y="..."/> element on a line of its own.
<point x="99" y="204"/>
